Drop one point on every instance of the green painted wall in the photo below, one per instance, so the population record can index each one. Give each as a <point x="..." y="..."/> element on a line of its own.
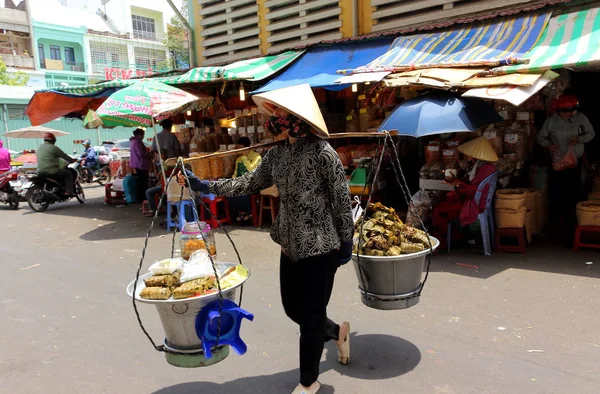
<point x="75" y="127"/>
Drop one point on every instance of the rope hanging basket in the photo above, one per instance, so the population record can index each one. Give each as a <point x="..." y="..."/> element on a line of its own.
<point x="199" y="329"/>
<point x="389" y="264"/>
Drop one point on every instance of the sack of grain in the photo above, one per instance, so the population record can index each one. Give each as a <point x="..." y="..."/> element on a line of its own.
<point x="508" y="218"/>
<point x="510" y="199"/>
<point x="588" y="213"/>
<point x="529" y="225"/>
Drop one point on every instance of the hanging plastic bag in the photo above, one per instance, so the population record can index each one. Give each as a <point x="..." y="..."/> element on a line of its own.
<point x="419" y="209"/>
<point x="564" y="161"/>
<point x="357" y="211"/>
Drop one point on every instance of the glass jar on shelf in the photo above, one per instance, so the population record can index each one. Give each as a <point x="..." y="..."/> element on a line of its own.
<point x="196" y="236"/>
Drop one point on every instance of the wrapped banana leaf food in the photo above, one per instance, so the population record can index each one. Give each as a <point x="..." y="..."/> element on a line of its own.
<point x="380" y="232"/>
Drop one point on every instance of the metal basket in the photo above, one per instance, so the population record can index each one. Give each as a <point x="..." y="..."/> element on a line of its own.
<point x="391" y="282"/>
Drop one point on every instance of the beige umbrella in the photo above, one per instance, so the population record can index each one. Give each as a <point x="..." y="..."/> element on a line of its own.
<point x="298" y="100"/>
<point x="34" y="132"/>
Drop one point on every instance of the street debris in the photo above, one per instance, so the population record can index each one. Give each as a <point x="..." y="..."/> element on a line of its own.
<point x="535" y="351"/>
<point x="501" y="328"/>
<point x="468" y="265"/>
<point x="30" y="267"/>
<point x="589" y="263"/>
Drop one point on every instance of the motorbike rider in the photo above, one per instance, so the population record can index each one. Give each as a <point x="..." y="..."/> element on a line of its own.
<point x="4" y="158"/>
<point x="48" y="163"/>
<point x="91" y="160"/>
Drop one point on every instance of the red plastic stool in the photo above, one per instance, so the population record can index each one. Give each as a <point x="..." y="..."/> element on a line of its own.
<point x="214" y="210"/>
<point x="577" y="243"/>
<point x="113" y="197"/>
<point x="272" y="206"/>
<point x="517" y="234"/>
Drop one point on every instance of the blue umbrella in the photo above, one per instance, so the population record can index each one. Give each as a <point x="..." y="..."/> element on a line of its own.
<point x="440" y="113"/>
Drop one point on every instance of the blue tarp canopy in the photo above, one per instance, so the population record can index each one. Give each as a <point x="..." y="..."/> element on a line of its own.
<point x="318" y="67"/>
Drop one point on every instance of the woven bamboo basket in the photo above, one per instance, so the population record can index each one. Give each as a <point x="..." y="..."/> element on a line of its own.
<point x="201" y="168"/>
<point x="510" y="199"/>
<point x="508" y="218"/>
<point x="588" y="213"/>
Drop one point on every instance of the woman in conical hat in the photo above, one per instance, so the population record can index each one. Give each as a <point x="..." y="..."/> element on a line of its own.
<point x="460" y="204"/>
<point x="314" y="226"/>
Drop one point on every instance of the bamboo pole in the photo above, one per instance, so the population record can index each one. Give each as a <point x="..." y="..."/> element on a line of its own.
<point x="375" y="134"/>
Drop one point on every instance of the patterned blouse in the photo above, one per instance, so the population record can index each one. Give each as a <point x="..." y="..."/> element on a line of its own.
<point x="315" y="210"/>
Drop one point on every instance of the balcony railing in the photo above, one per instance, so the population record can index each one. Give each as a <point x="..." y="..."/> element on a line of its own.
<point x="18" y="61"/>
<point x="60" y="65"/>
<point x="148" y="36"/>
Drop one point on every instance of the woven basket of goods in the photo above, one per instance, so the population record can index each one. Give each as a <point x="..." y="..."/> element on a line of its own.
<point x="588" y="213"/>
<point x="510" y="199"/>
<point x="201" y="167"/>
<point x="216" y="167"/>
<point x="509" y="218"/>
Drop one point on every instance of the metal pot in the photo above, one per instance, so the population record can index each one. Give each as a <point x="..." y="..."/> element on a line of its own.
<point x="391" y="282"/>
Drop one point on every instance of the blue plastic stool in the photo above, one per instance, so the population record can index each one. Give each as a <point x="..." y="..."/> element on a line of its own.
<point x="181" y="216"/>
<point x="207" y="326"/>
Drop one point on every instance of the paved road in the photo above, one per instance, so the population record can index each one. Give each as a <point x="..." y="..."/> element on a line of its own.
<point x="514" y="324"/>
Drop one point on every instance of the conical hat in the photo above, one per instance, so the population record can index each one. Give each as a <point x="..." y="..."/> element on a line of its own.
<point x="298" y="100"/>
<point x="479" y="148"/>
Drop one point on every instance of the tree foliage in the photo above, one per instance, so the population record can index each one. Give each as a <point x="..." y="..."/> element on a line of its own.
<point x="177" y="42"/>
<point x="17" y="79"/>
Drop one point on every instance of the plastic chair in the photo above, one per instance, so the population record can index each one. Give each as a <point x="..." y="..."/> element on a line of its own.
<point x="181" y="217"/>
<point x="486" y="218"/>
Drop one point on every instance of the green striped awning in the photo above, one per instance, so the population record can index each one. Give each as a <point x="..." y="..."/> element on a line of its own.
<point x="570" y="41"/>
<point x="252" y="70"/>
<point x="88" y="90"/>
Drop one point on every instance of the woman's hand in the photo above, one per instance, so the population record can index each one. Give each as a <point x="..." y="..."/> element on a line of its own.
<point x="181" y="179"/>
<point x="553" y="148"/>
<point x="574" y="141"/>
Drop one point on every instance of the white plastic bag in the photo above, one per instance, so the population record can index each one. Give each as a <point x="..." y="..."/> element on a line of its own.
<point x="419" y="209"/>
<point x="166" y="266"/>
<point x="198" y="266"/>
<point x="357" y="211"/>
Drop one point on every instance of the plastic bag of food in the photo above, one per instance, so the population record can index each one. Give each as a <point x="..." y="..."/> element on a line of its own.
<point x="198" y="266"/>
<point x="419" y="209"/>
<point x="433" y="152"/>
<point x="166" y="266"/>
<point x="564" y="161"/>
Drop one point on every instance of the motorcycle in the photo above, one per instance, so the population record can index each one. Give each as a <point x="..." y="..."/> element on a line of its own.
<point x="45" y="190"/>
<point x="8" y="195"/>
<point x="102" y="175"/>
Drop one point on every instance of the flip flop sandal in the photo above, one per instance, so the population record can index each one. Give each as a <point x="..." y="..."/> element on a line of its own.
<point x="300" y="390"/>
<point x="344" y="348"/>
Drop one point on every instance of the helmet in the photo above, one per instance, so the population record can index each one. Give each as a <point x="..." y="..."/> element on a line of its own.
<point x="87" y="143"/>
<point x="566" y="103"/>
<point x="49" y="137"/>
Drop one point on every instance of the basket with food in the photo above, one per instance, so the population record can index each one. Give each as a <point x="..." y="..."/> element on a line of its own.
<point x="389" y="258"/>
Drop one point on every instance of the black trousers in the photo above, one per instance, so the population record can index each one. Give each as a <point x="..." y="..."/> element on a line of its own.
<point x="306" y="287"/>
<point x="566" y="191"/>
<point x="142" y="184"/>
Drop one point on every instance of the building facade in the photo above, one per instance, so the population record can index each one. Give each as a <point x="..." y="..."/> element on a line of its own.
<point x="74" y="43"/>
<point x="229" y="30"/>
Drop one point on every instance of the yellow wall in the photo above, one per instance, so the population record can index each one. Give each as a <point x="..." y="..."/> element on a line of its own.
<point x="262" y="25"/>
<point x="198" y="41"/>
<point x="348" y="15"/>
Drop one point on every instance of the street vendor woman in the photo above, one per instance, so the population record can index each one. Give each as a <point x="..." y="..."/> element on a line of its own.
<point x="314" y="226"/>
<point x="566" y="128"/>
<point x="460" y="204"/>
